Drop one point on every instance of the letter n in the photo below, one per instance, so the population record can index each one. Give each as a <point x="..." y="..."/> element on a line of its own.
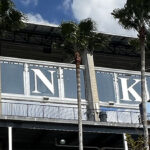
<point x="43" y="78"/>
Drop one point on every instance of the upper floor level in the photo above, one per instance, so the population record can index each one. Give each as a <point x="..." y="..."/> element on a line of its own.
<point x="44" y="43"/>
<point x="36" y="83"/>
<point x="41" y="89"/>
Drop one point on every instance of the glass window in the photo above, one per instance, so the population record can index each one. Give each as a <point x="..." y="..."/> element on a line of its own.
<point x="70" y="85"/>
<point x="105" y="86"/>
<point x="12" y="78"/>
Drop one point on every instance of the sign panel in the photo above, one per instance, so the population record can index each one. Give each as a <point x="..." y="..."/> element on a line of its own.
<point x="60" y="82"/>
<point x="129" y="88"/>
<point x="43" y="81"/>
<point x="120" y="88"/>
<point x="40" y="80"/>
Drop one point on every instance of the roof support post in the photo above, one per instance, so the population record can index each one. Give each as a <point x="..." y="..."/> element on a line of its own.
<point x="0" y="84"/>
<point x="125" y="141"/>
<point x="10" y="138"/>
<point x="91" y="93"/>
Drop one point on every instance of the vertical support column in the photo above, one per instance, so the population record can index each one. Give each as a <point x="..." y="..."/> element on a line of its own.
<point x="146" y="89"/>
<point x="91" y="93"/>
<point x="116" y="87"/>
<point x="125" y="142"/>
<point x="0" y="78"/>
<point x="10" y="138"/>
<point x="60" y="83"/>
<point x="26" y="78"/>
<point x="0" y="88"/>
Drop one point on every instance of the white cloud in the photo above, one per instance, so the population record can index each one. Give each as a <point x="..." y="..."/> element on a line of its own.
<point x="67" y="4"/>
<point x="27" y="2"/>
<point x="100" y="12"/>
<point x="38" y="19"/>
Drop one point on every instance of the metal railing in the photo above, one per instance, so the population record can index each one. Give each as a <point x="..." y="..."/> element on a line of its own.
<point x="41" y="111"/>
<point x="49" y="111"/>
<point x="119" y="116"/>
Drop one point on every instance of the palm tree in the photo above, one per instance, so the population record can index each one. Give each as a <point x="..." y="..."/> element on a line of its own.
<point x="78" y="38"/>
<point x="10" y="18"/>
<point x="136" y="15"/>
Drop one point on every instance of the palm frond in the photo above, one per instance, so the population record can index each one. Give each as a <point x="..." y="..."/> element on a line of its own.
<point x="10" y="18"/>
<point x="80" y="37"/>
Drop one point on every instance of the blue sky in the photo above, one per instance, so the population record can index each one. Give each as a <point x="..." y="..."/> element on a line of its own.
<point x="53" y="12"/>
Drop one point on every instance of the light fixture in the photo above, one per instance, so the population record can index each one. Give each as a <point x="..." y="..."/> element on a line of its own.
<point x="62" y="141"/>
<point x="45" y="98"/>
<point x="111" y="103"/>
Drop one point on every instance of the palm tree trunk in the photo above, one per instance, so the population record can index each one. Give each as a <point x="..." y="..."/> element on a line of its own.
<point x="143" y="88"/>
<point x="78" y="61"/>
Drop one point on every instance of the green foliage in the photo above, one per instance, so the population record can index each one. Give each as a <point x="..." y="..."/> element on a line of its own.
<point x="135" y="44"/>
<point x="70" y="33"/>
<point x="87" y="35"/>
<point x="80" y="37"/>
<point x="10" y="18"/>
<point x="87" y="27"/>
<point x="137" y="144"/>
<point x="135" y="14"/>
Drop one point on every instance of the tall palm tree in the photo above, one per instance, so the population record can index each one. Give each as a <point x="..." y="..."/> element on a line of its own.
<point x="136" y="15"/>
<point x="75" y="38"/>
<point x="78" y="38"/>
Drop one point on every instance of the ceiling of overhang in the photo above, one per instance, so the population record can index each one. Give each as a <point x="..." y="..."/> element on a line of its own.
<point x="45" y="35"/>
<point x="36" y="42"/>
<point x="34" y="139"/>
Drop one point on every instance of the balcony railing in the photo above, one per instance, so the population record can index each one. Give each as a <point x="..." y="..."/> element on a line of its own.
<point x="67" y="113"/>
<point x="41" y="111"/>
<point x="119" y="116"/>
